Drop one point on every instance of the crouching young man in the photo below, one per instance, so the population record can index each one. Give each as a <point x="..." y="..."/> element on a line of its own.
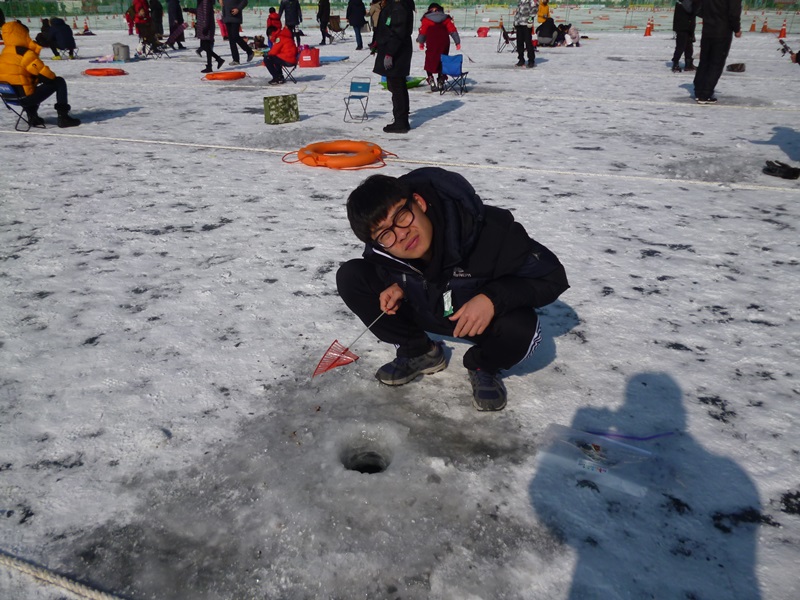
<point x="438" y="260"/>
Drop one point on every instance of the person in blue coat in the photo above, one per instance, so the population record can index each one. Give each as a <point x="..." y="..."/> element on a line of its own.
<point x="436" y="259"/>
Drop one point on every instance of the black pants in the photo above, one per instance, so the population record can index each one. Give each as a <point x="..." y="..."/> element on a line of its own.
<point x="509" y="339"/>
<point x="46" y="89"/>
<point x="400" y="103"/>
<point x="323" y="29"/>
<point x="525" y="43"/>
<point x="713" y="53"/>
<point x="295" y="29"/>
<point x="683" y="45"/>
<point x="236" y="41"/>
<point x="275" y="66"/>
<point x="207" y="46"/>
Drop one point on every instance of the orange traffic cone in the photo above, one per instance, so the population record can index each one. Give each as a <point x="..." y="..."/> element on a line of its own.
<point x="782" y="34"/>
<point x="753" y="26"/>
<point x="648" y="31"/>
<point x="764" y="28"/>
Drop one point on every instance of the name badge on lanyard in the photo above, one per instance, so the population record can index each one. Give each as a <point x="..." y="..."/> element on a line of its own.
<point x="448" y="303"/>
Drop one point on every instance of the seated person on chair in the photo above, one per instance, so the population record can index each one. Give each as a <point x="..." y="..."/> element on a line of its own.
<point x="144" y="23"/>
<point x="21" y="67"/>
<point x="438" y="260"/>
<point x="282" y="54"/>
<point x="61" y="38"/>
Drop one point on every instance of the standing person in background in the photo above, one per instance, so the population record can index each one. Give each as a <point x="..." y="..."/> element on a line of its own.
<point x="393" y="47"/>
<point x="356" y="16"/>
<point x="144" y="22"/>
<point x="175" y="20"/>
<point x="205" y="31"/>
<point x="292" y="16"/>
<point x="544" y="11"/>
<point x="273" y="20"/>
<point x="374" y="12"/>
<point x="523" y="23"/>
<point x="157" y="13"/>
<point x="683" y="24"/>
<point x="232" y="17"/>
<point x="323" y="18"/>
<point x="721" y="21"/>
<point x="130" y="19"/>
<point x="435" y="32"/>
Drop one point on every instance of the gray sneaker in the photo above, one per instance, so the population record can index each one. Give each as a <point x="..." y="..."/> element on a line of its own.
<point x="488" y="392"/>
<point x="402" y="369"/>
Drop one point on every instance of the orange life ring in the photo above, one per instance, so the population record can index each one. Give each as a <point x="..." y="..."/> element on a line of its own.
<point x="225" y="75"/>
<point x="340" y="154"/>
<point x="104" y="72"/>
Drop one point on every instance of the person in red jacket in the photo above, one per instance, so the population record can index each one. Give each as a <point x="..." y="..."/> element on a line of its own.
<point x="273" y="20"/>
<point x="435" y="33"/>
<point x="282" y="54"/>
<point x="144" y="22"/>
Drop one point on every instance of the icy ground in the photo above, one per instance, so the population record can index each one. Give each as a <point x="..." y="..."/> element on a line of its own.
<point x="168" y="288"/>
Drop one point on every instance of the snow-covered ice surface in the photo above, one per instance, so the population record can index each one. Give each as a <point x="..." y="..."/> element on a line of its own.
<point x="168" y="286"/>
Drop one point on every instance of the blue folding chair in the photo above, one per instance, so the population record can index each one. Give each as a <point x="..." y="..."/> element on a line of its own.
<point x="359" y="96"/>
<point x="456" y="78"/>
<point x="13" y="102"/>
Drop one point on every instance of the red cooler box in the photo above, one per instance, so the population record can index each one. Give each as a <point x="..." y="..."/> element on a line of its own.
<point x="309" y="58"/>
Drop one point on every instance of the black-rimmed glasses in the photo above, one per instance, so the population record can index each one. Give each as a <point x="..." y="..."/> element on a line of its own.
<point x="386" y="238"/>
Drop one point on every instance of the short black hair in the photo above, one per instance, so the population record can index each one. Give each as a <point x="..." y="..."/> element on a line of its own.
<point x="371" y="201"/>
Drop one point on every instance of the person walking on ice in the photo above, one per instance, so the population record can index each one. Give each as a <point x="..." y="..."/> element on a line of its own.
<point x="437" y="260"/>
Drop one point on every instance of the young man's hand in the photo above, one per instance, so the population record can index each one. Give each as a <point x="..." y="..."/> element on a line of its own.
<point x="474" y="317"/>
<point x="390" y="299"/>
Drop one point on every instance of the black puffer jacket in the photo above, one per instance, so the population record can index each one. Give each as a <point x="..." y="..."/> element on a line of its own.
<point x="685" y="17"/>
<point x="477" y="249"/>
<point x="393" y="37"/>
<point x="721" y="18"/>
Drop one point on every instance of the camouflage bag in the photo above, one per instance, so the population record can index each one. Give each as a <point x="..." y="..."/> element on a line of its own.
<point x="281" y="109"/>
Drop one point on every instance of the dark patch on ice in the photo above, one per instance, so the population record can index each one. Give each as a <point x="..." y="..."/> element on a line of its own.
<point x="26" y="513"/>
<point x="722" y="413"/>
<point x="69" y="462"/>
<point x="6" y="467"/>
<point x="607" y="291"/>
<point x="650" y="252"/>
<point x="678" y="346"/>
<point x="677" y="505"/>
<point x="593" y="148"/>
<point x="725" y="522"/>
<point x="270" y="280"/>
<point x="585" y="483"/>
<point x="790" y="503"/>
<point x="617" y="58"/>
<point x="42" y="295"/>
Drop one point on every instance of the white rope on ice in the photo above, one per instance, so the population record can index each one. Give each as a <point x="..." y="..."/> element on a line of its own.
<point x="444" y="164"/>
<point x="54" y="579"/>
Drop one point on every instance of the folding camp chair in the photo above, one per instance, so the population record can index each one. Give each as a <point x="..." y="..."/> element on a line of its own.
<point x="288" y="72"/>
<point x="507" y="39"/>
<point x="335" y="27"/>
<point x="13" y="102"/>
<point x="359" y="92"/>
<point x="456" y="78"/>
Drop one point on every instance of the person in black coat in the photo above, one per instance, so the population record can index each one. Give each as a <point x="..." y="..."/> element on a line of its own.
<point x="175" y="20"/>
<point x="393" y="45"/>
<point x="61" y="37"/>
<point x="683" y="24"/>
<point x="157" y="14"/>
<point x="721" y="21"/>
<point x="323" y="18"/>
<point x="232" y="17"/>
<point x="356" y="16"/>
<point x="292" y="15"/>
<point x="438" y="260"/>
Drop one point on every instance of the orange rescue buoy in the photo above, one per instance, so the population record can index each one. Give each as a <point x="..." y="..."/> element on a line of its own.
<point x="107" y="72"/>
<point x="225" y="75"/>
<point x="341" y="154"/>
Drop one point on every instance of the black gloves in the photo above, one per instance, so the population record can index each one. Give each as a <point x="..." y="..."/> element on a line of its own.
<point x="779" y="169"/>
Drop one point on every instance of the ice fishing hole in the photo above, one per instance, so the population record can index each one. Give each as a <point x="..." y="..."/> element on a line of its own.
<point x="365" y="461"/>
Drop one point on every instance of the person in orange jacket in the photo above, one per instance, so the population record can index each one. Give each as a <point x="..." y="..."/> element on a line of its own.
<point x="273" y="20"/>
<point x="21" y="67"/>
<point x="282" y="54"/>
